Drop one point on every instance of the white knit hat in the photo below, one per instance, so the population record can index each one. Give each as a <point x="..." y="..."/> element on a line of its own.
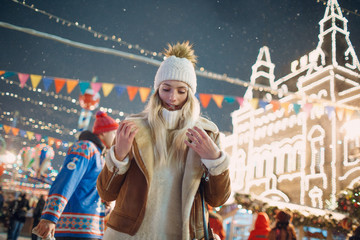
<point x="174" y="68"/>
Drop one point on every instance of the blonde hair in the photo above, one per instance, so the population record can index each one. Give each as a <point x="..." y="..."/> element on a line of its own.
<point x="171" y="146"/>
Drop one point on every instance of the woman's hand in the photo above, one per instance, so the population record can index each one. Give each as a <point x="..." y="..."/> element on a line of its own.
<point x="201" y="143"/>
<point x="124" y="138"/>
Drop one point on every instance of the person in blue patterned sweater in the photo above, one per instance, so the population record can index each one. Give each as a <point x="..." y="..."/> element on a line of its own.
<point x="73" y="208"/>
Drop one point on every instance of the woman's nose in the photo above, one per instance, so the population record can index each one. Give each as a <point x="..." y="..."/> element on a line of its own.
<point x="172" y="97"/>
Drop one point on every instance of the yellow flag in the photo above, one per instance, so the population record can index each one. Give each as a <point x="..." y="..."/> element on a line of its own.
<point x="144" y="93"/>
<point x="107" y="88"/>
<point x="30" y="135"/>
<point x="218" y="99"/>
<point x="35" y="80"/>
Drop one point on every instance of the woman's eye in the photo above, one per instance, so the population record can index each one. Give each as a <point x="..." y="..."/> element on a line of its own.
<point x="166" y="90"/>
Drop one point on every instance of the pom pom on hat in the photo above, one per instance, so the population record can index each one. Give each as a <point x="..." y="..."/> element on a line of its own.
<point x="178" y="65"/>
<point x="104" y="123"/>
<point x="175" y="68"/>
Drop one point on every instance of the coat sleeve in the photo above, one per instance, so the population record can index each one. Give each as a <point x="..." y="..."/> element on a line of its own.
<point x="217" y="187"/>
<point x="74" y="167"/>
<point x="109" y="182"/>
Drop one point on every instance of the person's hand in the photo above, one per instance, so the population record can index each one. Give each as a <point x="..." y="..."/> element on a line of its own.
<point x="45" y="228"/>
<point x="201" y="143"/>
<point x="124" y="138"/>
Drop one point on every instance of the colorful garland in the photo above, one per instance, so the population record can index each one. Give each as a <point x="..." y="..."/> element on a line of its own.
<point x="326" y="222"/>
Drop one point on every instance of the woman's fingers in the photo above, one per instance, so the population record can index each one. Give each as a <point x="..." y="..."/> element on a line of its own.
<point x="201" y="143"/>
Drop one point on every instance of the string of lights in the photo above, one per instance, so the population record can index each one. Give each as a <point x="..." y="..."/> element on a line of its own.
<point x="201" y="72"/>
<point x="90" y="29"/>
<point x="27" y="142"/>
<point x="344" y="10"/>
<point x="40" y="103"/>
<point x="35" y="124"/>
<point x="56" y="96"/>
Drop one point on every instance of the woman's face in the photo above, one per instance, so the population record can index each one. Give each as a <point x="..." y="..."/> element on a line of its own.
<point x="173" y="94"/>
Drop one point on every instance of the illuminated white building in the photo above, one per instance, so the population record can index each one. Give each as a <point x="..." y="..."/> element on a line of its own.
<point x="303" y="156"/>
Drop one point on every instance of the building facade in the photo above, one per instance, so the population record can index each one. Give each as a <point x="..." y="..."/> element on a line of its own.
<point x="300" y="142"/>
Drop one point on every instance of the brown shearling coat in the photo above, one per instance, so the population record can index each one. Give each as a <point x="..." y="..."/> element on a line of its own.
<point x="130" y="190"/>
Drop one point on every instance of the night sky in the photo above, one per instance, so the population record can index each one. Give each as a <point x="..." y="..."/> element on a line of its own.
<point x="227" y="36"/>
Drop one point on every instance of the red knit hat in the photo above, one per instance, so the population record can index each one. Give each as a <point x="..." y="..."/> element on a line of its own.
<point x="104" y="123"/>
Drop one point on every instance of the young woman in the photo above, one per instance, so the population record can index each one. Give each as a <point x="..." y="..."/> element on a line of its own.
<point x="159" y="156"/>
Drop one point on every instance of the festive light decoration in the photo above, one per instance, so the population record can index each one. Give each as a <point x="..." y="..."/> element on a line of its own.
<point x="302" y="216"/>
<point x="29" y="135"/>
<point x="348" y="201"/>
<point x="294" y="143"/>
<point x="37" y="124"/>
<point x="201" y="72"/>
<point x="320" y="104"/>
<point x="27" y="155"/>
<point x="344" y="10"/>
<point x="43" y="156"/>
<point x="90" y="29"/>
<point x="89" y="101"/>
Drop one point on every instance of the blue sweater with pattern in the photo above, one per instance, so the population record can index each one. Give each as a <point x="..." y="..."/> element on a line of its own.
<point x="73" y="202"/>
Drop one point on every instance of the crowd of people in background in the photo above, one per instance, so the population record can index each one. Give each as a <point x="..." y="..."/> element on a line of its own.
<point x="16" y="207"/>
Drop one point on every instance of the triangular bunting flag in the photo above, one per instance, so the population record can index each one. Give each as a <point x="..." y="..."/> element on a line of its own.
<point x="263" y="103"/>
<point x="47" y="82"/>
<point x="30" y="135"/>
<point x="59" y="84"/>
<point x="229" y="99"/>
<point x="15" y="131"/>
<point x="38" y="137"/>
<point x="22" y="133"/>
<point x="318" y="110"/>
<point x="275" y="105"/>
<point x="71" y="84"/>
<point x="35" y="80"/>
<point x="7" y="128"/>
<point x="144" y="93"/>
<point x="23" y="77"/>
<point x="340" y="113"/>
<point x="83" y="86"/>
<point x="2" y="72"/>
<point x="330" y="111"/>
<point x="107" y="88"/>
<point x="296" y="108"/>
<point x="240" y="100"/>
<point x="119" y="89"/>
<point x="132" y="92"/>
<point x="285" y="106"/>
<point x="96" y="86"/>
<point x="307" y="109"/>
<point x="218" y="99"/>
<point x="204" y="99"/>
<point x="8" y="74"/>
<point x="254" y="103"/>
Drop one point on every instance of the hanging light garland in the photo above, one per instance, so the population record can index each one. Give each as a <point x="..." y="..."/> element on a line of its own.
<point x="37" y="124"/>
<point x="115" y="113"/>
<point x="90" y="29"/>
<point x="344" y="10"/>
